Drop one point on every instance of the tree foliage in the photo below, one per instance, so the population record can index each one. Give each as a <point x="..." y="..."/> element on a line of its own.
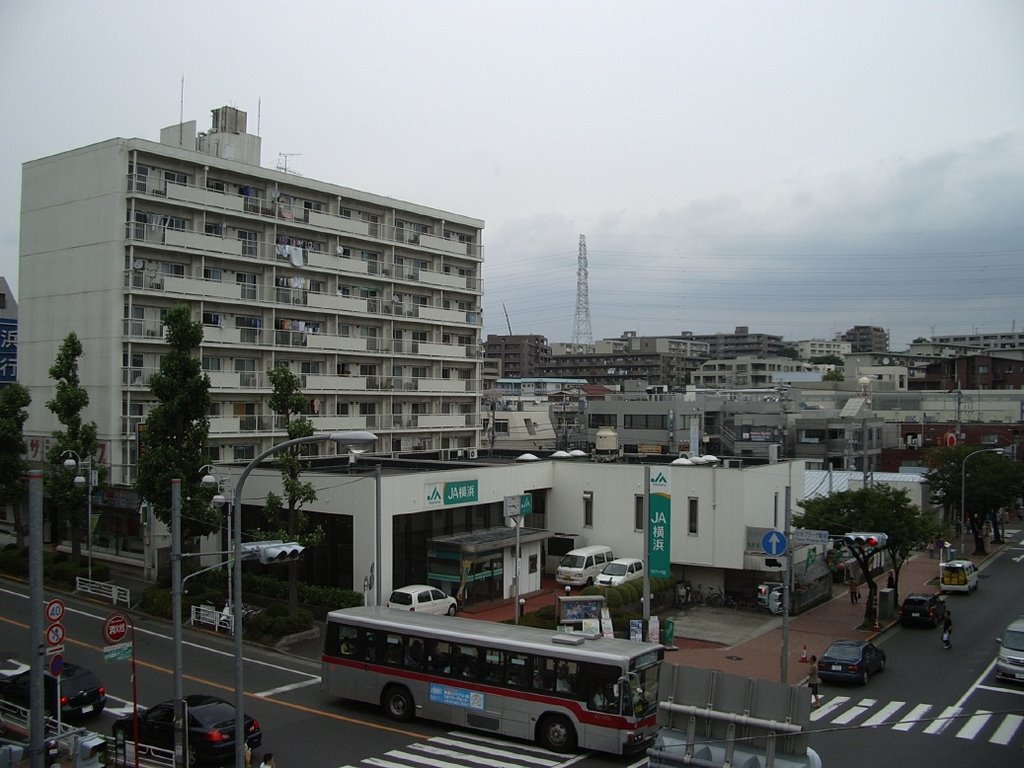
<point x="14" y="400"/>
<point x="833" y="375"/>
<point x="836" y="360"/>
<point x="991" y="482"/>
<point x="174" y="436"/>
<point x="875" y="509"/>
<point x="70" y="398"/>
<point x="284" y="515"/>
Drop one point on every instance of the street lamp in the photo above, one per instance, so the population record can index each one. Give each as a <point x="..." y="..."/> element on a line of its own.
<point x="963" y="491"/>
<point x="76" y="464"/>
<point x="341" y="438"/>
<point x="219" y="500"/>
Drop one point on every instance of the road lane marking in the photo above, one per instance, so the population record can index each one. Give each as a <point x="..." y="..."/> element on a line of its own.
<point x="1006" y="730"/>
<point x="285" y="688"/>
<point x="883" y="714"/>
<point x="855" y="711"/>
<point x="829" y="707"/>
<point x="912" y="717"/>
<point x="943" y="720"/>
<point x="974" y="725"/>
<point x="491" y="750"/>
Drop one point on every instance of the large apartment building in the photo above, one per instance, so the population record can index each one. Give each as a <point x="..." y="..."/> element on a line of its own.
<point x="374" y="302"/>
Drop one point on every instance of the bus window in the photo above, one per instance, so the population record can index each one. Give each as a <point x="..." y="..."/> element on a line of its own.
<point x="368" y="648"/>
<point x="494" y="664"/>
<point x="414" y="656"/>
<point x="602" y="696"/>
<point x="393" y="650"/>
<point x="566" y="677"/>
<point x="543" y="674"/>
<point x="517" y="670"/>
<point x="349" y="637"/>
<point x="440" y="656"/>
<point x="465" y="657"/>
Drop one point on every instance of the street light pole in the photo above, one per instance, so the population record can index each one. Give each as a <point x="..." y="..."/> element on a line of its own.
<point x="77" y="464"/>
<point x="963" y="491"/>
<point x="342" y="438"/>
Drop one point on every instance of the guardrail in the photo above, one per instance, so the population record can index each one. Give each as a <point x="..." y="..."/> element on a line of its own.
<point x="104" y="589"/>
<point x="210" y="616"/>
<point x="149" y="756"/>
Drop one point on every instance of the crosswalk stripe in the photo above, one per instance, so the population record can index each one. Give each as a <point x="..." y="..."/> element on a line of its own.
<point x="912" y="717"/>
<point x="479" y="737"/>
<point x="384" y="763"/>
<point x="943" y="720"/>
<point x="855" y="711"/>
<point x="419" y="759"/>
<point x="883" y="714"/>
<point x="431" y="749"/>
<point x="974" y="725"/>
<point x="490" y="747"/>
<point x="828" y="707"/>
<point x="1006" y="729"/>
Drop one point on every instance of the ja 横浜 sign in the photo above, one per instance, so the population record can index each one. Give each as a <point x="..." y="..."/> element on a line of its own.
<point x="659" y="523"/>
<point x="454" y="492"/>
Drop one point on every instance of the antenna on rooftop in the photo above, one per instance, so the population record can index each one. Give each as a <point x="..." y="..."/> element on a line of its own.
<point x="582" y="338"/>
<point x="282" y="161"/>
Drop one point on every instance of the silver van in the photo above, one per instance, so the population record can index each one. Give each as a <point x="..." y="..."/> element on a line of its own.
<point x="580" y="567"/>
<point x="1010" y="661"/>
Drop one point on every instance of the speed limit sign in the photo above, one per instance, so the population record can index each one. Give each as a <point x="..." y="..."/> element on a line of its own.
<point x="54" y="611"/>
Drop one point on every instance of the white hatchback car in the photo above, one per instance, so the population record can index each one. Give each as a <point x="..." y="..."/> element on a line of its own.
<point x="620" y="571"/>
<point x="423" y="598"/>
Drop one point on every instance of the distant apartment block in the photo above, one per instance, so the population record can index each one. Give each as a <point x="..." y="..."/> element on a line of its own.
<point x="746" y="372"/>
<point x="521" y="356"/>
<point x="740" y="343"/>
<point x="810" y="348"/>
<point x="375" y="303"/>
<point x="867" y="338"/>
<point x="1009" y="340"/>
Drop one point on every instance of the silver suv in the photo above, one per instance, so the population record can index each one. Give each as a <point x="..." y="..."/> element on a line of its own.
<point x="1010" y="662"/>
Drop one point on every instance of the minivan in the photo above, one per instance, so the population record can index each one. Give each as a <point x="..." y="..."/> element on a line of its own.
<point x="580" y="567"/>
<point x="1010" y="661"/>
<point x="620" y="571"/>
<point x="958" y="576"/>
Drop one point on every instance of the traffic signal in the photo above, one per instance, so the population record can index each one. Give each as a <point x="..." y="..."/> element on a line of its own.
<point x="279" y="552"/>
<point x="90" y="748"/>
<point x="869" y="541"/>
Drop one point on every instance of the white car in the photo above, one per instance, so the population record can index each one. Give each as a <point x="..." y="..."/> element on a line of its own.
<point x="620" y="571"/>
<point x="10" y="666"/>
<point x="423" y="598"/>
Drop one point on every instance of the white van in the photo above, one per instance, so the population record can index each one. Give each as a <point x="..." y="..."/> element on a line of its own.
<point x="580" y="567"/>
<point x="958" y="576"/>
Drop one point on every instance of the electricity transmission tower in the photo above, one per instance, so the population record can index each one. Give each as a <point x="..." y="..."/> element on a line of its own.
<point x="582" y="336"/>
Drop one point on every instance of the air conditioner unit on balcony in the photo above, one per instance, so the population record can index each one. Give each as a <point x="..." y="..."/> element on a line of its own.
<point x="340" y="250"/>
<point x="471" y="453"/>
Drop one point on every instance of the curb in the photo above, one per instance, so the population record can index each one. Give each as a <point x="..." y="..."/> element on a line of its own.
<point x="288" y="640"/>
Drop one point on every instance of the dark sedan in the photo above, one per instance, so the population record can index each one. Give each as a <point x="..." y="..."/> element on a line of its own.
<point x="81" y="692"/>
<point x="851" y="661"/>
<point x="922" y="608"/>
<point x="211" y="728"/>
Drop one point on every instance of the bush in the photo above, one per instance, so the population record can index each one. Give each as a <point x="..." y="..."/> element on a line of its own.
<point x="331" y="598"/>
<point x="270" y="625"/>
<point x="14" y="561"/>
<point x="613" y="597"/>
<point x="156" y="601"/>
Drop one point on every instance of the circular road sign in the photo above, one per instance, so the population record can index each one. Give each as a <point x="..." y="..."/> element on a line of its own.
<point x="115" y="628"/>
<point x="950" y="440"/>
<point x="56" y="665"/>
<point x="55" y="634"/>
<point x="55" y="611"/>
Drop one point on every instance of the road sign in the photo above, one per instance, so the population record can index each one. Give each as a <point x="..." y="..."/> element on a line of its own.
<point x="115" y="628"/>
<point x="54" y="611"/>
<point x="55" y="634"/>
<point x="808" y="536"/>
<point x="56" y="665"/>
<point x="118" y="652"/>
<point x="55" y="650"/>
<point x="774" y="543"/>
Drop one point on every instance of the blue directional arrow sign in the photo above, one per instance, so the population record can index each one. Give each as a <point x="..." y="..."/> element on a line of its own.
<point x="774" y="543"/>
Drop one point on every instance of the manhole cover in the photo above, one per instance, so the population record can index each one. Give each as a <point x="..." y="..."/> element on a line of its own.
<point x="734" y="658"/>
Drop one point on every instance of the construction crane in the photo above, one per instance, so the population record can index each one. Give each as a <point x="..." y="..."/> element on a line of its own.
<point x="507" y="321"/>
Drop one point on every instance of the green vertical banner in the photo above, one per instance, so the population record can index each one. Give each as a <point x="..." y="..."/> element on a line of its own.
<point x="659" y="524"/>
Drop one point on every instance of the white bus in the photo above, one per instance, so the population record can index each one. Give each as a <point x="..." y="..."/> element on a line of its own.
<point x="562" y="690"/>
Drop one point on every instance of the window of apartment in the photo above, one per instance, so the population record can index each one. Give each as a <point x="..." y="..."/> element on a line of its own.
<point x="244" y="452"/>
<point x="141" y="174"/>
<point x="990" y="439"/>
<point x="213" y="454"/>
<point x="247" y="282"/>
<point x="588" y="509"/>
<point x="367" y="369"/>
<point x="501" y="427"/>
<point x="216" y="184"/>
<point x="691" y="521"/>
<point x="213" y="273"/>
<point x="175" y="222"/>
<point x="344" y="290"/>
<point x="211" y="363"/>
<point x="317" y="286"/>
<point x="249" y="244"/>
<point x="422" y="336"/>
<point x="214" y="228"/>
<point x="213" y="319"/>
<point x="367" y="409"/>
<point x="311" y="367"/>
<point x="175" y="176"/>
<point x="172" y="268"/>
<point x="420" y="372"/>
<point x="601" y="420"/>
<point x="344" y="330"/>
<point x="645" y="421"/>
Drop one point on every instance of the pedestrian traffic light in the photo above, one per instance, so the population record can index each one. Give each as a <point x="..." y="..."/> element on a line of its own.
<point x="868" y="541"/>
<point x="279" y="552"/>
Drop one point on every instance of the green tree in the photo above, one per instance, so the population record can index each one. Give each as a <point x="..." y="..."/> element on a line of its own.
<point x="69" y="400"/>
<point x="992" y="482"/>
<point x="174" y="436"/>
<point x="284" y="515"/>
<point x="14" y="399"/>
<point x="835" y="360"/>
<point x="876" y="509"/>
<point x="834" y="375"/>
<point x="791" y="352"/>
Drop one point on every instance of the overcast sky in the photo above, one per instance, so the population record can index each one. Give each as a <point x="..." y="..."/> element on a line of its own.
<point x="796" y="167"/>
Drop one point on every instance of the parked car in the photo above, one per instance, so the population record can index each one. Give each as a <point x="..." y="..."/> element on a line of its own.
<point x="211" y="728"/>
<point x="10" y="666"/>
<point x="81" y="692"/>
<point x="424" y="599"/>
<point x="922" y="608"/>
<point x="958" y="576"/>
<point x="851" y="661"/>
<point x="1010" y="661"/>
<point x="620" y="571"/>
<point x="581" y="567"/>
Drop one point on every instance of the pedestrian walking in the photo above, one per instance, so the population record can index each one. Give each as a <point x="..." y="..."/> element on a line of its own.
<point x="891" y="581"/>
<point x="947" y="631"/>
<point x="854" y="590"/>
<point x="813" y="681"/>
<point x="268" y="761"/>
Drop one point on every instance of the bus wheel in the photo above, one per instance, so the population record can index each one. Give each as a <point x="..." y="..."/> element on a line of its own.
<point x="398" y="704"/>
<point x="556" y="733"/>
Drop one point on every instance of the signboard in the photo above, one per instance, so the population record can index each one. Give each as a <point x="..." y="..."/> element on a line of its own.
<point x="55" y="634"/>
<point x="115" y="629"/>
<point x="455" y="492"/>
<point x="8" y="350"/>
<point x="56" y="665"/>
<point x="774" y="543"/>
<point x="659" y="524"/>
<point x="456" y="697"/>
<point x="516" y="506"/>
<point x="802" y="536"/>
<point x="118" y="652"/>
<point x="54" y="611"/>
